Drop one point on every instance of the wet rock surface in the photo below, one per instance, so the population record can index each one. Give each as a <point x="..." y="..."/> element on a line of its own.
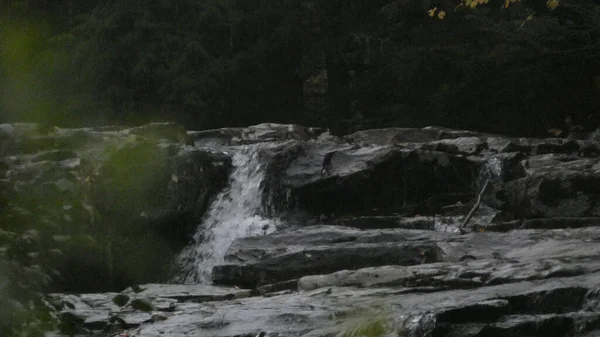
<point x="559" y="306"/>
<point x="266" y="132"/>
<point x="406" y="232"/>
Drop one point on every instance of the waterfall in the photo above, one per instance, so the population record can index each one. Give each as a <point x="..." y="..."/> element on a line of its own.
<point x="235" y="213"/>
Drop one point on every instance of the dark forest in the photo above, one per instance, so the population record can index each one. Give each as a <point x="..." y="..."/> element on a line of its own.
<point x="516" y="68"/>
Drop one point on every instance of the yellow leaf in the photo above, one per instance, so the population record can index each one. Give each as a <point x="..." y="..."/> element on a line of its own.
<point x="552" y="4"/>
<point x="529" y="18"/>
<point x="555" y="132"/>
<point x="441" y="15"/>
<point x="431" y="12"/>
<point x="508" y="3"/>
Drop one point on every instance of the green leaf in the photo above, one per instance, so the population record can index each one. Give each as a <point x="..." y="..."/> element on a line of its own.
<point x="70" y="323"/>
<point x="142" y="305"/>
<point x="120" y="300"/>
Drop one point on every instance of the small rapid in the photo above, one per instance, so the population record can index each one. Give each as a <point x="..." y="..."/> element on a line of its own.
<point x="235" y="213"/>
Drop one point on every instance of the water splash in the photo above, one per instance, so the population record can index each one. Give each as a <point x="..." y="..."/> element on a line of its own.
<point x="421" y="325"/>
<point x="234" y="214"/>
<point x="447" y="224"/>
<point x="493" y="169"/>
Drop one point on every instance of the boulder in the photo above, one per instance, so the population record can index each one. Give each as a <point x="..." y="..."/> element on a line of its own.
<point x="554" y="186"/>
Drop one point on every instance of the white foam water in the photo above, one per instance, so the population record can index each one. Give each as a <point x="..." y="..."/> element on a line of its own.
<point x="234" y="214"/>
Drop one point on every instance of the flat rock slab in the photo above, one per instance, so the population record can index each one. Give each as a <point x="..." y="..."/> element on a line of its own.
<point x="324" y="249"/>
<point x="469" y="274"/>
<point x="265" y="132"/>
<point x="407" y="135"/>
<point x="526" y="308"/>
<point x="541" y="223"/>
<point x="432" y="223"/>
<point x="323" y="260"/>
<point x="187" y="292"/>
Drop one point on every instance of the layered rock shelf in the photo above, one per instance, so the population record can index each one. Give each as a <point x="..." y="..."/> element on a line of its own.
<point x="408" y="232"/>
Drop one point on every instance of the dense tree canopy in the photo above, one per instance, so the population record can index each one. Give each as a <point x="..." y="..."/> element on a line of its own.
<point x="515" y="66"/>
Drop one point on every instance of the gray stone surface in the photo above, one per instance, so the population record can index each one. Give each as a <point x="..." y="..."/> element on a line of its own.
<point x="373" y="242"/>
<point x="552" y="307"/>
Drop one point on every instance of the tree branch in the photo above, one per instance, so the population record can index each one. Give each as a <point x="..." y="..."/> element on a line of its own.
<point x="476" y="206"/>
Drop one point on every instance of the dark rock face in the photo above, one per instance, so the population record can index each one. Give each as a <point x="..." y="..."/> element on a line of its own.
<point x="381" y="179"/>
<point x="555" y="189"/>
<point x="426" y="171"/>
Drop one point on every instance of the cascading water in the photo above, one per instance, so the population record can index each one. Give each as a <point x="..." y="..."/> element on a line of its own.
<point x="234" y="214"/>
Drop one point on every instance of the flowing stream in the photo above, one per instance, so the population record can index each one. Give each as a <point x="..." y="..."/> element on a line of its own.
<point x="235" y="213"/>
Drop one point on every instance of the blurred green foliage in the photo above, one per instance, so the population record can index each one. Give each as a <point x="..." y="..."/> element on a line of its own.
<point x="363" y="322"/>
<point x="83" y="227"/>
<point x="26" y="260"/>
